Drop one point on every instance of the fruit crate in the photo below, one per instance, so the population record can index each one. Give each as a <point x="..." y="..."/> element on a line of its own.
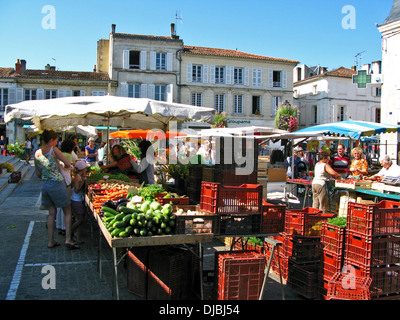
<point x="346" y="287"/>
<point x="377" y="219"/>
<point x="303" y="249"/>
<point x="220" y="199"/>
<point x="304" y="279"/>
<point x="193" y="224"/>
<point x="353" y="184"/>
<point x="305" y="222"/>
<point x="174" y="199"/>
<point x="169" y="273"/>
<point x="331" y="264"/>
<point x="371" y="251"/>
<point x="273" y="218"/>
<point x="332" y="238"/>
<point x="239" y="274"/>
<point x="239" y="224"/>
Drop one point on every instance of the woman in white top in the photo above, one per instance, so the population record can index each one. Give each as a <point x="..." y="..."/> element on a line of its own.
<point x="322" y="173"/>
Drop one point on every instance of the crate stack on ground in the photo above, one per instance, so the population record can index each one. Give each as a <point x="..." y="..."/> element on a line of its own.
<point x="239" y="274"/>
<point x="372" y="246"/>
<point x="193" y="184"/>
<point x="332" y="245"/>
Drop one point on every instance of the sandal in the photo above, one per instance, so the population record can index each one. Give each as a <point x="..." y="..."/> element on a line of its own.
<point x="56" y="244"/>
<point x="72" y="246"/>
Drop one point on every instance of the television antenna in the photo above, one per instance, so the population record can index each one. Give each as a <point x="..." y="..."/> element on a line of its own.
<point x="358" y="59"/>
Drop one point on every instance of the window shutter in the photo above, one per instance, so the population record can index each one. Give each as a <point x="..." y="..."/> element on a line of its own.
<point x="82" y="93"/>
<point x="143" y="60"/>
<point x="270" y="78"/>
<point x="143" y="90"/>
<point x="229" y="74"/>
<point x="170" y="92"/>
<point x="246" y="76"/>
<point x="40" y="94"/>
<point x="12" y="95"/>
<point x="212" y="74"/>
<point x="169" y="61"/>
<point x="189" y="67"/>
<point x="152" y="60"/>
<point x="260" y="77"/>
<point x="284" y="79"/>
<point x="125" y="59"/>
<point x="205" y="73"/>
<point x="68" y="93"/>
<point x="151" y="91"/>
<point x="124" y="89"/>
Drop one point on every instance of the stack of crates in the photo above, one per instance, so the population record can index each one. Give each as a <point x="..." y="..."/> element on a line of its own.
<point x="346" y="287"/>
<point x="239" y="274"/>
<point x="238" y="207"/>
<point x="332" y="241"/>
<point x="372" y="246"/>
<point x="193" y="186"/>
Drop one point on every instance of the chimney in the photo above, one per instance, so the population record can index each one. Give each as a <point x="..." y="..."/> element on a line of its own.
<point x="23" y="66"/>
<point x="323" y="70"/>
<point x="354" y="68"/>
<point x="94" y="68"/>
<point x="113" y="28"/>
<point x="173" y="30"/>
<point x="18" y="67"/>
<point x="47" y="67"/>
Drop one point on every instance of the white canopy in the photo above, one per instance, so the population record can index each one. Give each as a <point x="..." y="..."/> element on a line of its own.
<point x="106" y="111"/>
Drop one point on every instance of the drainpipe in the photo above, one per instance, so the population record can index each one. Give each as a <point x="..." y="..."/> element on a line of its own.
<point x="178" y="57"/>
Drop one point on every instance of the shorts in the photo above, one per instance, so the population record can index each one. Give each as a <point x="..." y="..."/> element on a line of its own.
<point x="78" y="207"/>
<point x="55" y="194"/>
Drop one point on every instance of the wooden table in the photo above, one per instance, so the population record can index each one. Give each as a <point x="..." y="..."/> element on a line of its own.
<point x="130" y="242"/>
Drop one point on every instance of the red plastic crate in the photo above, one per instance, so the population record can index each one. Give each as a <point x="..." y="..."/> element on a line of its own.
<point x="304" y="279"/>
<point x="273" y="218"/>
<point x="347" y="287"/>
<point x="305" y="222"/>
<point x="174" y="200"/>
<point x="221" y="199"/>
<point x="240" y="274"/>
<point x="330" y="264"/>
<point x="304" y="249"/>
<point x="332" y="238"/>
<point x="377" y="219"/>
<point x="371" y="251"/>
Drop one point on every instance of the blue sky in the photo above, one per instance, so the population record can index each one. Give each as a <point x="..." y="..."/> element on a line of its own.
<point x="309" y="31"/>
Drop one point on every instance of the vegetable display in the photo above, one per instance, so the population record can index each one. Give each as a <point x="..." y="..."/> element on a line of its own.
<point x="130" y="219"/>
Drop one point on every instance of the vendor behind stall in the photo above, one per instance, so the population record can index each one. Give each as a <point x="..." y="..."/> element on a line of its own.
<point x="359" y="165"/>
<point x="322" y="173"/>
<point x="341" y="161"/>
<point x="145" y="169"/>
<point x="389" y="169"/>
<point x="120" y="161"/>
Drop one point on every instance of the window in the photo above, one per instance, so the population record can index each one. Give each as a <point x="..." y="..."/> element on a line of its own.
<point x="276" y="79"/>
<point x="3" y="97"/>
<point x="257" y="77"/>
<point x="134" y="59"/>
<point x="220" y="102"/>
<point x="30" y="94"/>
<point x="160" y="93"/>
<point x="196" y="73"/>
<point x="256" y="105"/>
<point x="315" y="89"/>
<point x="276" y="101"/>
<point x="315" y="114"/>
<point x="77" y="93"/>
<point x="238" y="76"/>
<point x="378" y="115"/>
<point x="341" y="113"/>
<point x="98" y="93"/>
<point x="219" y="75"/>
<point x="161" y="61"/>
<point x="238" y="104"/>
<point x="378" y="92"/>
<point x="197" y="99"/>
<point x="134" y="91"/>
<point x="51" y="94"/>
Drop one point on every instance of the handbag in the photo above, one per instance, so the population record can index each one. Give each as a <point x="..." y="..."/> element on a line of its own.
<point x="14" y="177"/>
<point x="124" y="163"/>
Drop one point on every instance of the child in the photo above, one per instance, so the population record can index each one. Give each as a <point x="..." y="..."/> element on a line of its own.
<point x="77" y="199"/>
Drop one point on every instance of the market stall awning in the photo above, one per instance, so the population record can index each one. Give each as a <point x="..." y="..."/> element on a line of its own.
<point x="145" y="134"/>
<point x="105" y="111"/>
<point x="350" y="128"/>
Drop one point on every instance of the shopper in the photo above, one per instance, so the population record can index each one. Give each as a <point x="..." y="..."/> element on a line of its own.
<point x="341" y="161"/>
<point x="120" y="161"/>
<point x="28" y="150"/>
<point x="322" y="173"/>
<point x="53" y="190"/>
<point x="145" y="169"/>
<point x="77" y="200"/>
<point x="91" y="153"/>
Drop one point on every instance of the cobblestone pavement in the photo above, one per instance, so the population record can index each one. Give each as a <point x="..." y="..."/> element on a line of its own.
<point x="25" y="258"/>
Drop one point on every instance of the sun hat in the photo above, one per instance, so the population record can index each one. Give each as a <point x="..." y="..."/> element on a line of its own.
<point x="91" y="139"/>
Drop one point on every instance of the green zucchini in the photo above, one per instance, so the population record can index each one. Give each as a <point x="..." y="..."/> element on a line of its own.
<point x="120" y="224"/>
<point x="119" y="216"/>
<point x="127" y="217"/>
<point x="109" y="210"/>
<point x="116" y="232"/>
<point x="125" y="209"/>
